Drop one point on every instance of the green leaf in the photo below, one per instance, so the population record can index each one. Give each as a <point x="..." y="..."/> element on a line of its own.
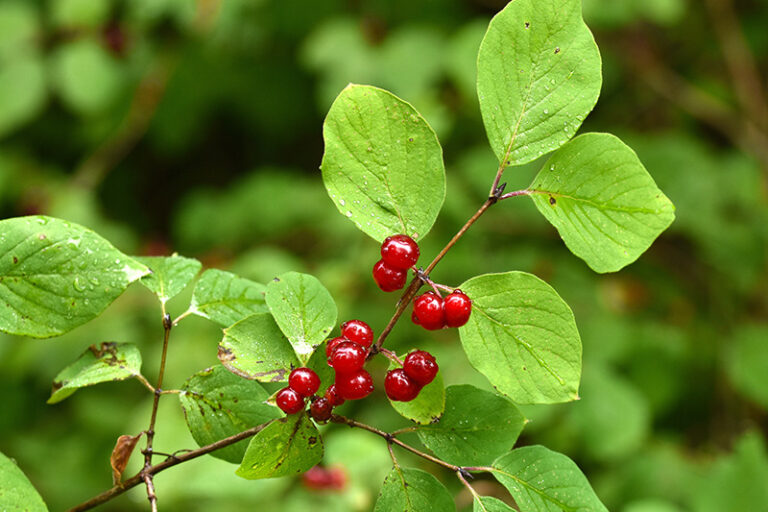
<point x="303" y="309"/>
<point x="475" y="428"/>
<point x="488" y="504"/>
<point x="169" y="274"/>
<point x="747" y="362"/>
<point x="383" y="166"/>
<point x="255" y="348"/>
<point x="540" y="479"/>
<point x="538" y="76"/>
<point x="288" y="446"/>
<point x="428" y="406"/>
<point x="104" y="363"/>
<point x="17" y="494"/>
<point x="602" y="201"/>
<point x="225" y="298"/>
<point x="318" y="362"/>
<point x="56" y="275"/>
<point x="413" y="490"/>
<point x="219" y="404"/>
<point x="23" y="92"/>
<point x="522" y="337"/>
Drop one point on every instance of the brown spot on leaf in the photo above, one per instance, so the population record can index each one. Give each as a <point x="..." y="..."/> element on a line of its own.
<point x="557" y="49"/>
<point x="312" y="440"/>
<point x="527" y="24"/>
<point x="552" y="200"/>
<point x="15" y="259"/>
<point x="57" y="385"/>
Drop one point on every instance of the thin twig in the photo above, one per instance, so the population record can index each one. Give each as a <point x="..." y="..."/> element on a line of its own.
<point x="145" y="382"/>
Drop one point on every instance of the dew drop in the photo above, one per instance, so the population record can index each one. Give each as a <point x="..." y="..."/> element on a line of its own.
<point x="348" y="214"/>
<point x="78" y="285"/>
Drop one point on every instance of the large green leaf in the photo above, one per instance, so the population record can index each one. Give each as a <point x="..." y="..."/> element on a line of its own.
<point x="255" y="348"/>
<point x="16" y="491"/>
<point x="522" y="337"/>
<point x="169" y="274"/>
<point x="543" y="480"/>
<point x="477" y="426"/>
<point x="56" y="275"/>
<point x="413" y="490"/>
<point x="538" y="76"/>
<point x="602" y="201"/>
<point x="288" y="446"/>
<point x="303" y="309"/>
<point x="104" y="363"/>
<point x="219" y="404"/>
<point x="226" y="298"/>
<point x="383" y="166"/>
<point x="428" y="406"/>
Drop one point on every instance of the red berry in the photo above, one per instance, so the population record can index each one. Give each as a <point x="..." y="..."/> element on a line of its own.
<point x="357" y="331"/>
<point x="319" y="478"/>
<point x="421" y="367"/>
<point x="289" y="400"/>
<point x="354" y="386"/>
<point x="428" y="311"/>
<point x="400" y="251"/>
<point x="304" y="381"/>
<point x="400" y="387"/>
<point x="388" y="278"/>
<point x="457" y="308"/>
<point x="333" y="397"/>
<point x="348" y="357"/>
<point x="331" y="345"/>
<point x="321" y="409"/>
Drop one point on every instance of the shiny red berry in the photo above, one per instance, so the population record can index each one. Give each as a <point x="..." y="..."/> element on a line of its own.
<point x="428" y="311"/>
<point x="400" y="387"/>
<point x="357" y="331"/>
<point x="388" y="278"/>
<point x="332" y="344"/>
<point x="348" y="357"/>
<point x="304" y="381"/>
<point x="289" y="400"/>
<point x="421" y="367"/>
<point x="400" y="251"/>
<point x="321" y="409"/>
<point x="457" y="308"/>
<point x="354" y="386"/>
<point x="333" y="397"/>
<point x="319" y="478"/>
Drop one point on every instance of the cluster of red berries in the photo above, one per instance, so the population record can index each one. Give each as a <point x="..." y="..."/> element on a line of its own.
<point x="433" y="312"/>
<point x="404" y="384"/>
<point x="398" y="254"/>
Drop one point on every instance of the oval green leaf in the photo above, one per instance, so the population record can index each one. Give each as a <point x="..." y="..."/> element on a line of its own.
<point x="56" y="275"/>
<point x="413" y="490"/>
<point x="605" y="205"/>
<point x="103" y="363"/>
<point x="383" y="165"/>
<point x="477" y="426"/>
<point x="255" y="348"/>
<point x="522" y="336"/>
<point x="538" y="76"/>
<point x="540" y="479"/>
<point x="288" y="446"/>
<point x="304" y="310"/>
<point x="428" y="406"/>
<point x="17" y="494"/>
<point x="219" y="404"/>
<point x="226" y="298"/>
<point x="170" y="274"/>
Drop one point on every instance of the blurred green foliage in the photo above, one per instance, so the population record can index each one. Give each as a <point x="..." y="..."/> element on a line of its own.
<point x="194" y="126"/>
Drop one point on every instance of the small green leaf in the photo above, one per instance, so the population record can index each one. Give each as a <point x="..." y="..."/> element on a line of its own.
<point x="383" y="166"/>
<point x="288" y="446"/>
<point x="488" y="504"/>
<point x="747" y="362"/>
<point x="225" y="298"/>
<point x="219" y="404"/>
<point x="540" y="479"/>
<point x="413" y="490"/>
<point x="428" y="406"/>
<point x="318" y="362"/>
<point x="17" y="494"/>
<point x="303" y="309"/>
<point x="56" y="275"/>
<point x="169" y="275"/>
<point x="255" y="348"/>
<point x="538" y="76"/>
<point x="522" y="337"/>
<point x="476" y="427"/>
<point x="104" y="363"/>
<point x="605" y="205"/>
<point x="23" y="92"/>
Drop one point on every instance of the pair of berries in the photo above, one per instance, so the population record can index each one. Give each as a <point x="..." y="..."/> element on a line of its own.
<point x="404" y="384"/>
<point x="398" y="254"/>
<point x="302" y="383"/>
<point x="433" y="312"/>
<point x="346" y="355"/>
